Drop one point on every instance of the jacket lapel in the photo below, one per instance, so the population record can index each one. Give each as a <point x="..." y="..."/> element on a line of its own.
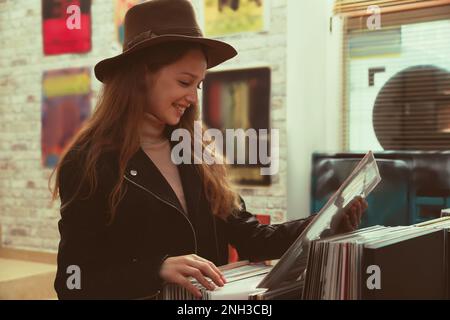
<point x="192" y="187"/>
<point x="142" y="171"/>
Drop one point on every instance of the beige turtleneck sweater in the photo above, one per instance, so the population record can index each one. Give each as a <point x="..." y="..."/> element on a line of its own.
<point x="157" y="148"/>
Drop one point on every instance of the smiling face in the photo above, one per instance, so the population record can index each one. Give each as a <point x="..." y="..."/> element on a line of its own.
<point x="173" y="88"/>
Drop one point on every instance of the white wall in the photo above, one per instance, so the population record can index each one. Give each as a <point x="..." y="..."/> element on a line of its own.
<point x="313" y="94"/>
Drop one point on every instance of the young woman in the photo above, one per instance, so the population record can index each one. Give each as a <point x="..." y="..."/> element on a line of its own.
<point x="130" y="218"/>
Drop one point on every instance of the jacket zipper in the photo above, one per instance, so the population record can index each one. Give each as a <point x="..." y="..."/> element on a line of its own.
<point x="168" y="203"/>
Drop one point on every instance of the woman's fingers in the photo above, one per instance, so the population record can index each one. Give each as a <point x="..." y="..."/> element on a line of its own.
<point x="347" y="224"/>
<point x="198" y="275"/>
<point x="363" y="205"/>
<point x="213" y="266"/>
<point x="179" y="270"/>
<point x="184" y="282"/>
<point x="351" y="215"/>
<point x="357" y="213"/>
<point x="208" y="271"/>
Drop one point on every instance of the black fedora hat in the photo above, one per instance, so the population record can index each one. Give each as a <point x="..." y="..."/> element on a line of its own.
<point x="161" y="21"/>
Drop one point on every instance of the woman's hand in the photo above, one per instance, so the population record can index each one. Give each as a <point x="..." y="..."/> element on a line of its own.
<point x="352" y="215"/>
<point x="178" y="270"/>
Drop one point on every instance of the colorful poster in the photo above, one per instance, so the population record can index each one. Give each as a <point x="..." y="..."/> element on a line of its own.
<point x="121" y="9"/>
<point x="66" y="26"/>
<point x="239" y="99"/>
<point x="224" y="17"/>
<point x="65" y="106"/>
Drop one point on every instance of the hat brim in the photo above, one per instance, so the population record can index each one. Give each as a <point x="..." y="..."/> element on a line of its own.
<point x="217" y="52"/>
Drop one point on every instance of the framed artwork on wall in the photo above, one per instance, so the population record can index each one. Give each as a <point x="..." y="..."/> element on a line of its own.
<point x="65" y="107"/>
<point x="240" y="99"/>
<point x="227" y="17"/>
<point x="121" y="8"/>
<point x="66" y="26"/>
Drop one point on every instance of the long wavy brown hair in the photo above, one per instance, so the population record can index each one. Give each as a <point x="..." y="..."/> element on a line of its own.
<point x="112" y="126"/>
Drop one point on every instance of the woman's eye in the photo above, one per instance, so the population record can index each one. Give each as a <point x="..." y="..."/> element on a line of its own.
<point x="187" y="84"/>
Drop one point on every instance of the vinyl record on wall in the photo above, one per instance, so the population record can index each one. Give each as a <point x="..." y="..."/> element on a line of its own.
<point x="412" y="110"/>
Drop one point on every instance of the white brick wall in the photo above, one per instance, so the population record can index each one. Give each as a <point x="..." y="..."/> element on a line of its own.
<point x="27" y="217"/>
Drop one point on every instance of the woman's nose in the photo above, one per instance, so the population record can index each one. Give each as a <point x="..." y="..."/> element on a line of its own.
<point x="192" y="98"/>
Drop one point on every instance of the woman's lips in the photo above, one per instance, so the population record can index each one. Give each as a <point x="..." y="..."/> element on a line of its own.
<point x="179" y="108"/>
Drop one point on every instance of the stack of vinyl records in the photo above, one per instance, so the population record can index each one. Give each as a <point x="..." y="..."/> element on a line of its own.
<point x="290" y="290"/>
<point x="440" y="223"/>
<point x="406" y="262"/>
<point x="242" y="279"/>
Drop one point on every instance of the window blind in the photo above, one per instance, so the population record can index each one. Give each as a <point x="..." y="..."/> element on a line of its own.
<point x="359" y="7"/>
<point x="396" y="77"/>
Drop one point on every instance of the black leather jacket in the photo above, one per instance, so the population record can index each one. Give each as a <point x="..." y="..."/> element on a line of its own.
<point x="122" y="261"/>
